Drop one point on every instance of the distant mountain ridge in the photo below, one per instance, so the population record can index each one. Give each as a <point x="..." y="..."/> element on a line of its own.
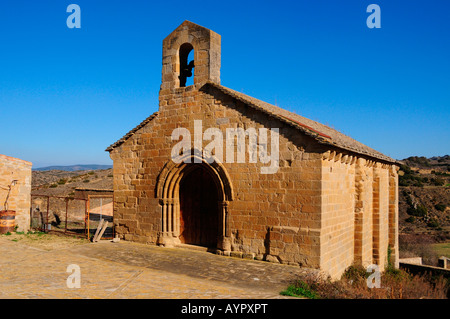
<point x="71" y="168"/>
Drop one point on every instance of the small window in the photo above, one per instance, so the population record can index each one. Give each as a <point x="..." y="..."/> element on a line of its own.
<point x="186" y="65"/>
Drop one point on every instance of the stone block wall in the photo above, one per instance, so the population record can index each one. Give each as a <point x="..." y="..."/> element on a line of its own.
<point x="359" y="212"/>
<point x="20" y="196"/>
<point x="338" y="210"/>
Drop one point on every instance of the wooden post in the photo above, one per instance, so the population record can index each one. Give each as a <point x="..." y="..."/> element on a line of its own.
<point x="98" y="230"/>
<point x="105" y="225"/>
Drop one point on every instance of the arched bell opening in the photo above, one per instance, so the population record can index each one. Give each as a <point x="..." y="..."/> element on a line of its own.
<point x="186" y="55"/>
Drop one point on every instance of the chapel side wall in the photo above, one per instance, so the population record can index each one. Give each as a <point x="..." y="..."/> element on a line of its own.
<point x="20" y="196"/>
<point x="294" y="235"/>
<point x="338" y="207"/>
<point x="359" y="213"/>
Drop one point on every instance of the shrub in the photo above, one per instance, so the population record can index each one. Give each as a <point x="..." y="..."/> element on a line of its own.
<point x="410" y="219"/>
<point x="406" y="169"/>
<point x="409" y="177"/>
<point x="417" y="182"/>
<point x="408" y="198"/>
<point x="422" y="160"/>
<point x="433" y="223"/>
<point x="440" y="207"/>
<point x="355" y="272"/>
<point x="437" y="181"/>
<point x="299" y="289"/>
<point x="53" y="185"/>
<point x="419" y="211"/>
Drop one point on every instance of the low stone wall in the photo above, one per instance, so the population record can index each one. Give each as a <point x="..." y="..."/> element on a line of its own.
<point x="421" y="269"/>
<point x="444" y="262"/>
<point x="412" y="260"/>
<point x="14" y="169"/>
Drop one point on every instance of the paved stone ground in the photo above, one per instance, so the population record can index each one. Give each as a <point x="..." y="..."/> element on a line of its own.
<point x="132" y="270"/>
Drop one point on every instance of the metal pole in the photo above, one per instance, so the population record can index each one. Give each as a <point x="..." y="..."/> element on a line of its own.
<point x="85" y="215"/>
<point x="101" y="204"/>
<point x="88" y="218"/>
<point x="48" y="208"/>
<point x="67" y="207"/>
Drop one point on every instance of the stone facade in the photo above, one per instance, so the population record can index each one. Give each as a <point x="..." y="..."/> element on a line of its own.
<point x="14" y="169"/>
<point x="332" y="201"/>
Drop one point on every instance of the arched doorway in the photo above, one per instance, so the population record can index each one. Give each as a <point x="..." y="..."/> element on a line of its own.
<point x="199" y="209"/>
<point x="207" y="184"/>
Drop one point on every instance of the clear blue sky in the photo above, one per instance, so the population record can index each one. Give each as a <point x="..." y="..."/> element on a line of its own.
<point x="67" y="94"/>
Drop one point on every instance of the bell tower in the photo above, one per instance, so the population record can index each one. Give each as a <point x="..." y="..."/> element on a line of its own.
<point x="177" y="46"/>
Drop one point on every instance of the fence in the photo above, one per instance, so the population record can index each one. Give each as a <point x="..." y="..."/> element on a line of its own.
<point x="100" y="207"/>
<point x="70" y="215"/>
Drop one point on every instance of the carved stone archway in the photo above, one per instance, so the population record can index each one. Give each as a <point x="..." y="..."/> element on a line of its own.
<point x="168" y="193"/>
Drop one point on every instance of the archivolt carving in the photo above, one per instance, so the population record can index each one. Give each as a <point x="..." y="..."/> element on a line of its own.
<point x="171" y="174"/>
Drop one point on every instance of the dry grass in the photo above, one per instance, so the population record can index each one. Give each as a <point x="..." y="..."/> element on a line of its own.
<point x="45" y="241"/>
<point x="395" y="284"/>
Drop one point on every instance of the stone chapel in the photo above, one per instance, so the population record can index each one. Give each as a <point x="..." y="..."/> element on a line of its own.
<point x="331" y="201"/>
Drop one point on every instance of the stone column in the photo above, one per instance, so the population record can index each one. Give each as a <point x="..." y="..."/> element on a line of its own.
<point x="170" y="223"/>
<point x="363" y="212"/>
<point x="164" y="216"/>
<point x="380" y="214"/>
<point x="176" y="218"/>
<point x="224" y="240"/>
<point x="376" y="214"/>
<point x="359" y="210"/>
<point x="393" y="215"/>
<point x="169" y="218"/>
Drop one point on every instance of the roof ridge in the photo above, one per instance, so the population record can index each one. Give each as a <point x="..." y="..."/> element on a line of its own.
<point x="322" y="133"/>
<point x="239" y="95"/>
<point x="131" y="133"/>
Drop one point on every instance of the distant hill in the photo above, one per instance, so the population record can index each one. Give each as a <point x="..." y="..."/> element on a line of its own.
<point x="72" y="168"/>
<point x="435" y="162"/>
<point x="424" y="196"/>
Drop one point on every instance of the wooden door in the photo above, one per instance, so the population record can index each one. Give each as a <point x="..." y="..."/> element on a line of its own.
<point x="198" y="209"/>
